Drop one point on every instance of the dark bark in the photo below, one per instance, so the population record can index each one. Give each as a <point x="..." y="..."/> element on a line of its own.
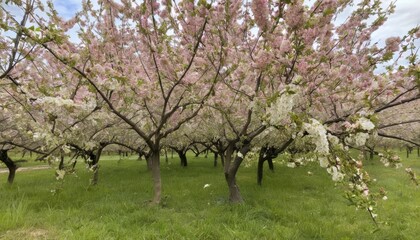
<point x="270" y="164"/>
<point x="195" y="150"/>
<point x="215" y="159"/>
<point x="166" y="156"/>
<point x="61" y="164"/>
<point x="260" y="169"/>
<point x="4" y="157"/>
<point x="268" y="154"/>
<point x="418" y="151"/>
<point x="74" y="164"/>
<point x="183" y="157"/>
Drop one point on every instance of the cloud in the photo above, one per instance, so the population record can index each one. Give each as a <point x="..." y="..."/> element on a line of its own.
<point x="406" y="17"/>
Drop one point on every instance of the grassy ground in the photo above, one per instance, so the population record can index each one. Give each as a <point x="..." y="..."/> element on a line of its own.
<point x="290" y="204"/>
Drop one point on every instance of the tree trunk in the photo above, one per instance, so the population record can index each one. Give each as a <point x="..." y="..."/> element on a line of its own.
<point x="74" y="164"/>
<point x="157" y="183"/>
<point x="215" y="159"/>
<point x="182" y="155"/>
<point x="231" y="168"/>
<point x="95" y="166"/>
<point x="371" y="154"/>
<point x="270" y="164"/>
<point x="234" y="193"/>
<point x="260" y="169"/>
<point x="418" y="151"/>
<point x="166" y="156"/>
<point x="61" y="165"/>
<point x="9" y="164"/>
<point x="149" y="162"/>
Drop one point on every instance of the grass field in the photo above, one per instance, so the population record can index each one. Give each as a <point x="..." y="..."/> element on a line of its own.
<point x="290" y="205"/>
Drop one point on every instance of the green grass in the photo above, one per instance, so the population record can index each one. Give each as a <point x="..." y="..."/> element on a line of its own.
<point x="290" y="204"/>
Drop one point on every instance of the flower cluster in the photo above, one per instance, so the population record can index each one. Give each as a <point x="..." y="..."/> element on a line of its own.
<point x="297" y="162"/>
<point x="390" y="159"/>
<point x="337" y="175"/>
<point x="392" y="44"/>
<point x="260" y="10"/>
<point x="280" y="109"/>
<point x="318" y="135"/>
<point x="365" y="124"/>
<point x="359" y="131"/>
<point x="358" y="139"/>
<point x="358" y="193"/>
<point x="412" y="175"/>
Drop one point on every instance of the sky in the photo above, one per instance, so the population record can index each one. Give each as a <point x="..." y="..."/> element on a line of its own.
<point x="406" y="16"/>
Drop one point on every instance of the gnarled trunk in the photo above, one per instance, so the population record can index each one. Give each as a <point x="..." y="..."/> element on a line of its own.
<point x="234" y="193"/>
<point x="231" y="168"/>
<point x="9" y="164"/>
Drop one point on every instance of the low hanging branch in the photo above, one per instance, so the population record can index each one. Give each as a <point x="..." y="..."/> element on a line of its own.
<point x="399" y="123"/>
<point x="398" y="138"/>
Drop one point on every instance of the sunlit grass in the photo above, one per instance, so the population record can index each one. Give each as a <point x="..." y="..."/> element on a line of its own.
<point x="289" y="205"/>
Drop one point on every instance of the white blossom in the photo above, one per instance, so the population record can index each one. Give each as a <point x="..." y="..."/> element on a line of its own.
<point x="323" y="162"/>
<point x="60" y="174"/>
<point x="319" y="136"/>
<point x="336" y="174"/>
<point x="359" y="139"/>
<point x="280" y="109"/>
<point x="291" y="164"/>
<point x="365" y="124"/>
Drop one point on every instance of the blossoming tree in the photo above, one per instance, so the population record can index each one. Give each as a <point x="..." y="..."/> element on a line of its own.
<point x="249" y="70"/>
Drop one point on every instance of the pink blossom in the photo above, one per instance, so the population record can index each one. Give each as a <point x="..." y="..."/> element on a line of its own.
<point x="392" y="44"/>
<point x="294" y="14"/>
<point x="260" y="10"/>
